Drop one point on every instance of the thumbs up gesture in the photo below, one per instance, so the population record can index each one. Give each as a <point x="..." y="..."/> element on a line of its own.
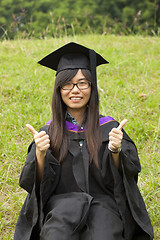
<point x="115" y="137"/>
<point x="41" y="139"/>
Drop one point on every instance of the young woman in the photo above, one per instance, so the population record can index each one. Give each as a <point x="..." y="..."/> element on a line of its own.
<point x="82" y="168"/>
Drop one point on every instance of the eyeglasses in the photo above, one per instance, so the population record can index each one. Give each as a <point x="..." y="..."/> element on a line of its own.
<point x="79" y="85"/>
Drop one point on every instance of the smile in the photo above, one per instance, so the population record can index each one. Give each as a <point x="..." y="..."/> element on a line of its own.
<point x="75" y="98"/>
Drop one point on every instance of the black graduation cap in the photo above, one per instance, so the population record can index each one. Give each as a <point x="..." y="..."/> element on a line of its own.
<point x="74" y="56"/>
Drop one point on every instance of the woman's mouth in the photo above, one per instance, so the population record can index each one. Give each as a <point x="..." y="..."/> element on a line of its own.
<point x="75" y="99"/>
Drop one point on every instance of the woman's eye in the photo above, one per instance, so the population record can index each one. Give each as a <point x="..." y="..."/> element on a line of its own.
<point x="82" y="83"/>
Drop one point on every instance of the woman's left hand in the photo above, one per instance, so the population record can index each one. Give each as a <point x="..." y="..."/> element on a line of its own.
<point x="115" y="137"/>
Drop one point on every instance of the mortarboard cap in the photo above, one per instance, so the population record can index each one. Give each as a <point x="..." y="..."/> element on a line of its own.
<point x="74" y="56"/>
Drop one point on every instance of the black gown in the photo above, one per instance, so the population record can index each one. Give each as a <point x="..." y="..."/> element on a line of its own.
<point x="78" y="201"/>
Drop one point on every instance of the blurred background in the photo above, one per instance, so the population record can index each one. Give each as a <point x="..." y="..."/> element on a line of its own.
<point x="41" y="19"/>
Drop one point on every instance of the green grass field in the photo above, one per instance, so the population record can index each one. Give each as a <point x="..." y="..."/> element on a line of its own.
<point x="129" y="88"/>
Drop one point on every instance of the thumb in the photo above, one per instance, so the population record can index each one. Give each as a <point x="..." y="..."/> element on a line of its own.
<point x="121" y="125"/>
<point x="31" y="129"/>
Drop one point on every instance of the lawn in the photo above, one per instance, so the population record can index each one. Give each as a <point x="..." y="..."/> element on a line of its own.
<point x="129" y="88"/>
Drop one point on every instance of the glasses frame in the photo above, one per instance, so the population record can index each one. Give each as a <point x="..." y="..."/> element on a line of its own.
<point x="76" y="84"/>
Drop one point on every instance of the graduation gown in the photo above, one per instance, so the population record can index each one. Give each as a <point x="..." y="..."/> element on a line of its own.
<point x="78" y="201"/>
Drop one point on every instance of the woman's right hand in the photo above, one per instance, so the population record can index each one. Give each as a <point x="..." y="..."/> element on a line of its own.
<point x="41" y="139"/>
<point x="42" y="142"/>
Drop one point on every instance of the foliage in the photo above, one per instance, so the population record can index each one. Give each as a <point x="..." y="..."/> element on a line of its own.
<point x="40" y="19"/>
<point x="128" y="86"/>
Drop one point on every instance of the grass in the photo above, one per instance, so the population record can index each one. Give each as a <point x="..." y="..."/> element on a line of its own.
<point x="129" y="88"/>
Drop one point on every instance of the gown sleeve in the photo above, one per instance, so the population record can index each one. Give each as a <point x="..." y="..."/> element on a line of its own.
<point x="50" y="175"/>
<point x="31" y="214"/>
<point x="126" y="177"/>
<point x="28" y="174"/>
<point x="129" y="169"/>
<point x="129" y="160"/>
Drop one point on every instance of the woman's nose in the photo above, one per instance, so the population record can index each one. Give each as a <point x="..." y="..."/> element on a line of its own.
<point x="75" y="89"/>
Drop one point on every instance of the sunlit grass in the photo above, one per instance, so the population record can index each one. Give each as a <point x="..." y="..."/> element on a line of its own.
<point x="129" y="88"/>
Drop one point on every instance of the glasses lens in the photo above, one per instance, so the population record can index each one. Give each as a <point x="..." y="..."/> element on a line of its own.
<point x="83" y="85"/>
<point x="67" y="86"/>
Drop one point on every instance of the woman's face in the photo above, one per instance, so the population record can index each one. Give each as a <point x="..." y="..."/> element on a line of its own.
<point x="76" y="99"/>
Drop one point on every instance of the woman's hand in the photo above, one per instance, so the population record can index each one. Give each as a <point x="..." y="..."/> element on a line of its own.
<point x="41" y="139"/>
<point x="115" y="137"/>
<point x="42" y="142"/>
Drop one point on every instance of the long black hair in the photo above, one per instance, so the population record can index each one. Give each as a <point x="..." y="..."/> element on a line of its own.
<point x="57" y="129"/>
